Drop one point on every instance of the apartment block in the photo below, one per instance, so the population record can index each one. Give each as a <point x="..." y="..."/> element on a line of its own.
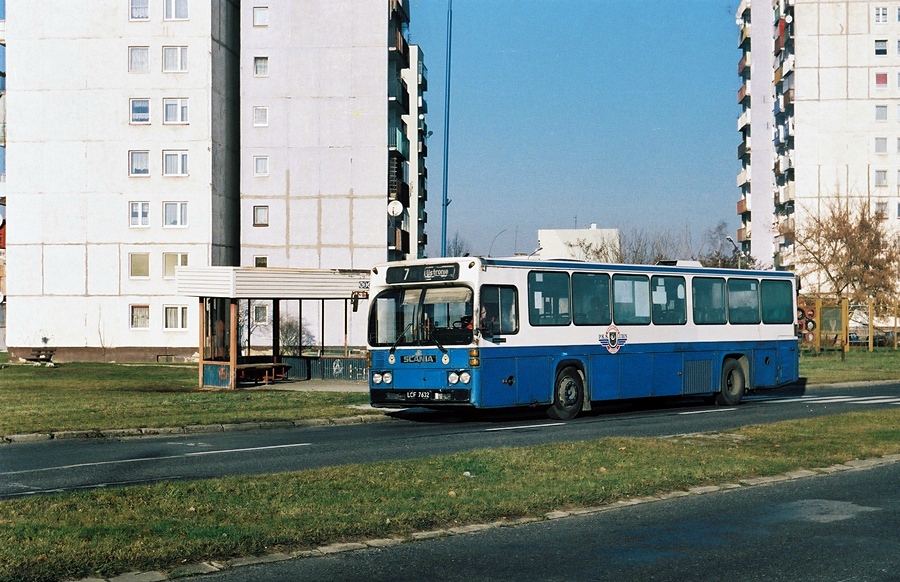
<point x="835" y="71"/>
<point x="166" y="133"/>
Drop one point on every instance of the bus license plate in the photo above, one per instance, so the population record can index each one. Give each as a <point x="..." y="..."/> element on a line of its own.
<point x="420" y="395"/>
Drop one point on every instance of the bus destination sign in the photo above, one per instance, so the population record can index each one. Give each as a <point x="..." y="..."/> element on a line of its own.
<point x="422" y="273"/>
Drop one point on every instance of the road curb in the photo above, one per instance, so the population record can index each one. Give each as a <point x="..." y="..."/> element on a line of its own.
<point x="192" y="429"/>
<point x="342" y="547"/>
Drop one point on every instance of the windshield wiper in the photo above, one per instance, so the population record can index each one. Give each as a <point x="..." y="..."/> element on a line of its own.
<point x="437" y="343"/>
<point x="400" y="337"/>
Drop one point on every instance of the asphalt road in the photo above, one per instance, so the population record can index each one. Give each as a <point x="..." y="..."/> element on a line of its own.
<point x="51" y="466"/>
<point x="839" y="527"/>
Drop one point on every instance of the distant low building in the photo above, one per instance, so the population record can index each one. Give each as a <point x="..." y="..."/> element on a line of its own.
<point x="579" y="243"/>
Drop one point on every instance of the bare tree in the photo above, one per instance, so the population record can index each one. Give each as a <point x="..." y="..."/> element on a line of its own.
<point x="638" y="246"/>
<point x="293" y="335"/>
<point x="847" y="251"/>
<point x="458" y="246"/>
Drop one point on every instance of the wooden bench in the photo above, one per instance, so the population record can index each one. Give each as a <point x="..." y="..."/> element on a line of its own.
<point x="261" y="371"/>
<point x="44" y="355"/>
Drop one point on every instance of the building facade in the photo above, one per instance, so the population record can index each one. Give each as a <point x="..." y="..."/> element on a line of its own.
<point x="167" y="133"/>
<point x="835" y="72"/>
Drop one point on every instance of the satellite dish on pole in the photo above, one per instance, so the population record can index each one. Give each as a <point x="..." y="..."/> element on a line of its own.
<point x="395" y="208"/>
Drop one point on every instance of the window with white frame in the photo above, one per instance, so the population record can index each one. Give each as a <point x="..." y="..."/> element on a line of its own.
<point x="139" y="265"/>
<point x="260" y="116"/>
<point x="260" y="216"/>
<point x="176" y="10"/>
<point x="175" y="163"/>
<point x="260" y="314"/>
<point x="175" y="111"/>
<point x="176" y="317"/>
<point x="138" y="9"/>
<point x="260" y="165"/>
<point x="260" y="261"/>
<point x="881" y="113"/>
<point x="139" y="214"/>
<point x="175" y="214"/>
<point x="880" y="48"/>
<point x="881" y="177"/>
<point x="260" y="66"/>
<point x="138" y="59"/>
<point x="140" y="111"/>
<point x="881" y="14"/>
<point x="175" y="59"/>
<point x="880" y="145"/>
<point x="139" y="163"/>
<point x="140" y="316"/>
<point x="260" y="16"/>
<point x="172" y="260"/>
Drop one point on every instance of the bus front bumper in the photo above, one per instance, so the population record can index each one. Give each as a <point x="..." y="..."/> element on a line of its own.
<point x="400" y="398"/>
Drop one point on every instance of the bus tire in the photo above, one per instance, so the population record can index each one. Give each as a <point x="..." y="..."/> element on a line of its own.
<point x="732" y="385"/>
<point x="568" y="395"/>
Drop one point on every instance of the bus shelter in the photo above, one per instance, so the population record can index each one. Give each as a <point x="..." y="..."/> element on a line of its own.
<point x="225" y="295"/>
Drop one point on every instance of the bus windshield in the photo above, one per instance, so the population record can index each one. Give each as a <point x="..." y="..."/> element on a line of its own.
<point x="421" y="316"/>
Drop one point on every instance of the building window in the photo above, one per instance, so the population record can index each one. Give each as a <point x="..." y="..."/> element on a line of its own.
<point x="881" y="113"/>
<point x="138" y="59"/>
<point x="139" y="265"/>
<point x="175" y="213"/>
<point x="172" y="260"/>
<point x="139" y="163"/>
<point x="139" y="214"/>
<point x="881" y="14"/>
<point x="175" y="163"/>
<point x="176" y="317"/>
<point x="880" y="145"/>
<point x="260" y="166"/>
<point x="139" y="10"/>
<point x="260" y="261"/>
<point x="881" y="210"/>
<point x="260" y="66"/>
<point x="881" y="80"/>
<point x="260" y="116"/>
<point x="140" y="111"/>
<point x="260" y="216"/>
<point x="140" y="316"/>
<point x="175" y="110"/>
<point x="176" y="9"/>
<point x="260" y="16"/>
<point x="174" y="59"/>
<point x="881" y="177"/>
<point x="880" y="48"/>
<point x="261" y="314"/>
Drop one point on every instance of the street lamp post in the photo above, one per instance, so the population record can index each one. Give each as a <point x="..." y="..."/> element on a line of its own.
<point x="445" y="202"/>
<point x="740" y="254"/>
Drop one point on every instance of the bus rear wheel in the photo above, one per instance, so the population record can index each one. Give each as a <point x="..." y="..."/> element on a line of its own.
<point x="732" y="385"/>
<point x="568" y="395"/>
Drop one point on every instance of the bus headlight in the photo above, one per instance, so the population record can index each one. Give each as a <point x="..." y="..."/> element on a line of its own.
<point x="465" y="377"/>
<point x="387" y="377"/>
<point x="452" y="378"/>
<point x="376" y="378"/>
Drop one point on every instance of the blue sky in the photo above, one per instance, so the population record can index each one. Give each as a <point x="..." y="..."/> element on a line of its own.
<point x="566" y="113"/>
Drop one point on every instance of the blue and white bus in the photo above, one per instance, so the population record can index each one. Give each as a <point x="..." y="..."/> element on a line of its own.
<point x="492" y="333"/>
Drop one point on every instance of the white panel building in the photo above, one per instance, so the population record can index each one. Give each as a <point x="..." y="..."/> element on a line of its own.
<point x="161" y="133"/>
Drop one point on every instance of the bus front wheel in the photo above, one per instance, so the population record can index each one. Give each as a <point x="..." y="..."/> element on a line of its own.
<point x="732" y="385"/>
<point x="568" y="395"/>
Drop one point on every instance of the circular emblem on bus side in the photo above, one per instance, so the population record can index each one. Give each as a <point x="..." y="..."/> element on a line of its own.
<point x="613" y="339"/>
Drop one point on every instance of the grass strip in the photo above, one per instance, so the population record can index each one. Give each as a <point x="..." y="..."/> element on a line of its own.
<point x="859" y="365"/>
<point x="82" y="396"/>
<point x="106" y="532"/>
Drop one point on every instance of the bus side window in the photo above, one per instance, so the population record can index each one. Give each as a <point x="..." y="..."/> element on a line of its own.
<point x="743" y="301"/>
<point x="777" y="301"/>
<point x="631" y="299"/>
<point x="548" y="298"/>
<point x="501" y="309"/>
<point x="709" y="301"/>
<point x="590" y="296"/>
<point x="669" y="303"/>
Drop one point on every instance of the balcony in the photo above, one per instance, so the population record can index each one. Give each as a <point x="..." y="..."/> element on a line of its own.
<point x="743" y="93"/>
<point x="743" y="234"/>
<point x="743" y="177"/>
<point x="743" y="206"/>
<point x="423" y="216"/>
<point x="398" y="95"/>
<point x="423" y="76"/>
<point x="743" y="120"/>
<point x="745" y="35"/>
<point x="785" y="194"/>
<point x="788" y="98"/>
<point x="743" y="150"/>
<point x="398" y="240"/>
<point x="398" y="190"/>
<point x="744" y="64"/>
<point x="398" y="48"/>
<point x="3" y="32"/>
<point x="398" y="11"/>
<point x="423" y="238"/>
<point x="423" y="147"/>
<point x="398" y="142"/>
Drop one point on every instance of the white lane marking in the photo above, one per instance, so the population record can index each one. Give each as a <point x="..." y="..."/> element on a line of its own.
<point x="837" y="399"/>
<point x="710" y="411"/>
<point x="163" y="458"/>
<point x="523" y="427"/>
